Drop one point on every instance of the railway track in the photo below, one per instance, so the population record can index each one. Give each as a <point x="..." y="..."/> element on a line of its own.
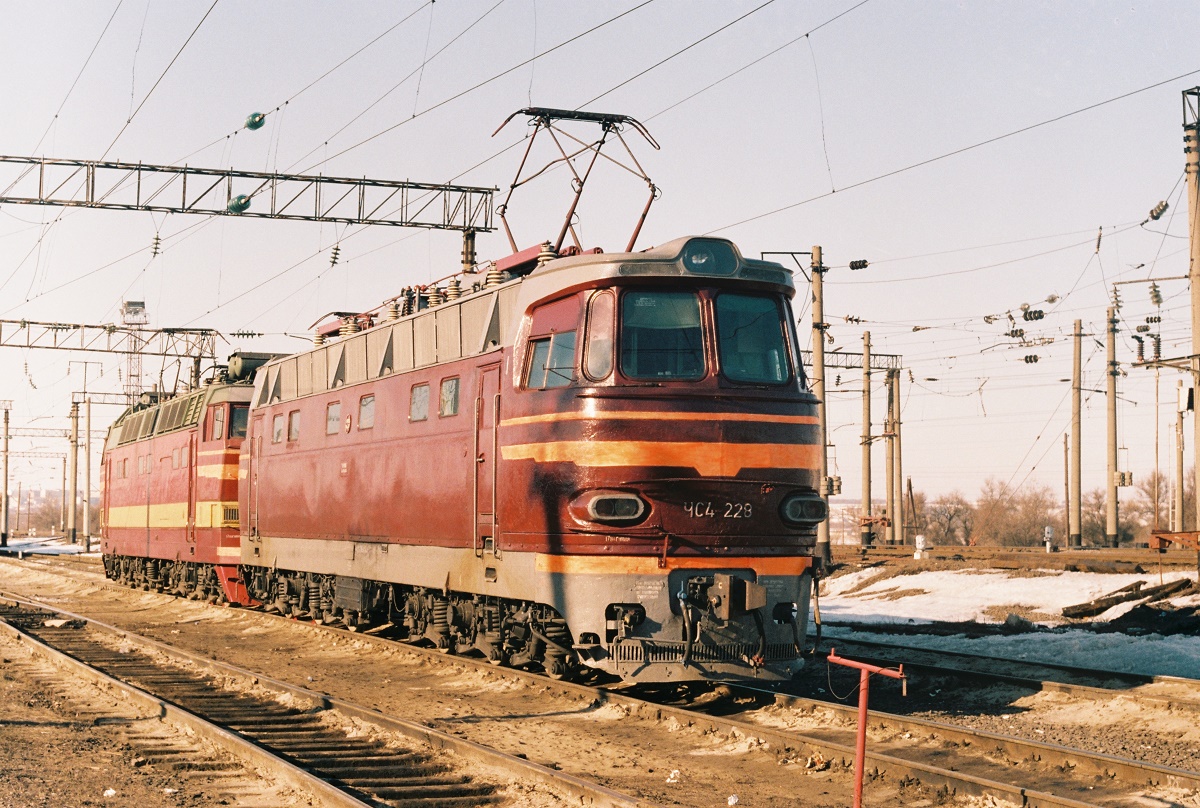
<point x="1172" y="558"/>
<point x="1171" y="692"/>
<point x="311" y="741"/>
<point x="909" y="754"/>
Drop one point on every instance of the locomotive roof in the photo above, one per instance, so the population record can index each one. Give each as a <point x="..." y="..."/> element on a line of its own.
<point x="144" y="420"/>
<point x="695" y="257"/>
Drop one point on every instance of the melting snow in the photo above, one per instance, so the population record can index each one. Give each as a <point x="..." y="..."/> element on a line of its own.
<point x="985" y="596"/>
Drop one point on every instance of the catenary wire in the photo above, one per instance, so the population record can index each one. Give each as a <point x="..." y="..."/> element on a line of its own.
<point x="956" y="152"/>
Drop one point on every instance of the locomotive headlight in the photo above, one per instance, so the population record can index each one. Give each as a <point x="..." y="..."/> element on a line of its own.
<point x="704" y="256"/>
<point x="803" y="509"/>
<point x="609" y="507"/>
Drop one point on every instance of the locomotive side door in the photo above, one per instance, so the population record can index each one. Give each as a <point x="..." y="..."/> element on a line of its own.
<point x="255" y="440"/>
<point x="487" y="414"/>
<point x="190" y="466"/>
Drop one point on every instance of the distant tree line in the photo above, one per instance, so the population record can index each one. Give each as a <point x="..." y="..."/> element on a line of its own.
<point x="1017" y="517"/>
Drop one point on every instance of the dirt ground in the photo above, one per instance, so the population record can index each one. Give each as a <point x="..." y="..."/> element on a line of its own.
<point x="670" y="765"/>
<point x="667" y="765"/>
<point x="60" y="748"/>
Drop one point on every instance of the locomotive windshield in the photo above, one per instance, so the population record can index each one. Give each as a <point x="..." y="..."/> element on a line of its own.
<point x="750" y="339"/>
<point x="661" y="336"/>
<point x="237" y="420"/>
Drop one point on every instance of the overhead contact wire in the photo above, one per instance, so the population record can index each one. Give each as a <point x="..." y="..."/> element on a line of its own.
<point x="492" y="79"/>
<point x="958" y="151"/>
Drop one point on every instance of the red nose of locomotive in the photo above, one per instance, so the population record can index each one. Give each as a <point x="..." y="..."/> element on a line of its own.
<point x="664" y="435"/>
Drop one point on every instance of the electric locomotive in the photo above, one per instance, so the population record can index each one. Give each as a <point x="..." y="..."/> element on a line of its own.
<point x="592" y="459"/>
<point x="169" y="498"/>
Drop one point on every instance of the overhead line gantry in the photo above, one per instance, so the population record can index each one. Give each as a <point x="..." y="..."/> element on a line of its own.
<point x="255" y="194"/>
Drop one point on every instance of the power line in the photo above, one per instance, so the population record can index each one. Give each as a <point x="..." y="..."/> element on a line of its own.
<point x="956" y="152"/>
<point x="317" y="80"/>
<point x="47" y="228"/>
<point x="86" y="62"/>
<point x="396" y="86"/>
<point x="683" y="50"/>
<point x="161" y="76"/>
<point x="749" y="65"/>
<point x="487" y="81"/>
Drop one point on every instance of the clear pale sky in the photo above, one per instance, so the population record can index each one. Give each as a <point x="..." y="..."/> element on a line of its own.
<point x="877" y="87"/>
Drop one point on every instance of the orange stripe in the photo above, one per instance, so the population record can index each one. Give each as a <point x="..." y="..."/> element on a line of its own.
<point x="708" y="458"/>
<point x="648" y="565"/>
<point x="553" y="417"/>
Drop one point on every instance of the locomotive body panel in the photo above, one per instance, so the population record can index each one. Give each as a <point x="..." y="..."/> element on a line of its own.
<point x="169" y="490"/>
<point x="321" y="474"/>
<point x="595" y="383"/>
<point x="611" y="460"/>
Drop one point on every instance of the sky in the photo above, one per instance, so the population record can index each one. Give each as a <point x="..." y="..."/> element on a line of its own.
<point x="973" y="153"/>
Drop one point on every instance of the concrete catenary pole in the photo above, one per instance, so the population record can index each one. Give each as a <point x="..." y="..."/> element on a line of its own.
<point x="866" y="534"/>
<point x="1111" y="517"/>
<point x="4" y="501"/>
<point x="62" y="520"/>
<point x="73" y="459"/>
<point x="1191" y="140"/>
<point x="889" y="459"/>
<point x="1067" y="484"/>
<point x="1076" y="512"/>
<point x="87" y="473"/>
<point x="818" y="387"/>
<point x="1181" y="408"/>
<point x="898" y="528"/>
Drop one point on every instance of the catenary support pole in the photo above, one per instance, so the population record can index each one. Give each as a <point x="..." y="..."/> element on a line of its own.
<point x="87" y="473"/>
<point x="889" y="459"/>
<point x="1181" y="407"/>
<point x="866" y="534"/>
<point x="73" y="459"/>
<point x="1111" y="516"/>
<point x="823" y="551"/>
<point x="62" y="517"/>
<point x="1075" y="538"/>
<point x="4" y="501"/>
<point x="1157" y="465"/>
<point x="898" y="527"/>
<point x="1191" y="140"/>
<point x="1067" y="486"/>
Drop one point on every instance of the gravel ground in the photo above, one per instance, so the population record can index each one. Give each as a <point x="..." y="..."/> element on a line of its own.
<point x="678" y="766"/>
<point x="670" y="765"/>
<point x="64" y="742"/>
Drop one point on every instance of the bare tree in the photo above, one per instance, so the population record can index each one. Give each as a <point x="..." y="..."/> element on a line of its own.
<point x="1014" y="517"/>
<point x="949" y="519"/>
<point x="1094" y="511"/>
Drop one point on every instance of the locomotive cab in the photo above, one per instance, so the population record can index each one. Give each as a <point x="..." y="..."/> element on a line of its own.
<point x="664" y="430"/>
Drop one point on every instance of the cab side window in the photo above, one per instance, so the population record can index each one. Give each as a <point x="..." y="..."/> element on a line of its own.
<point x="552" y="339"/>
<point x="418" y="403"/>
<point x="217" y="429"/>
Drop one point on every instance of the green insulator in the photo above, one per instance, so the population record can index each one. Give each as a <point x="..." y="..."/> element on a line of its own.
<point x="255" y="121"/>
<point x="239" y="204"/>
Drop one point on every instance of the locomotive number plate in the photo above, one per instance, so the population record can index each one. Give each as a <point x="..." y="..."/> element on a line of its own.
<point x="718" y="510"/>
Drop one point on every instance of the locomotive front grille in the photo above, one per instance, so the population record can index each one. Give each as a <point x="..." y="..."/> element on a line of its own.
<point x="646" y="651"/>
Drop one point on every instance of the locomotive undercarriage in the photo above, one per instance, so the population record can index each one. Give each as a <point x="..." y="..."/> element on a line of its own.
<point x="186" y="579"/>
<point x="506" y="632"/>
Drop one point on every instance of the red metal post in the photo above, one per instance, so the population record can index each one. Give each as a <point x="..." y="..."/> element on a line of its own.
<point x="864" y="685"/>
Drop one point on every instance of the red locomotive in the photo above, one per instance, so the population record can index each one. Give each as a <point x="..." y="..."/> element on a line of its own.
<point x="592" y="459"/>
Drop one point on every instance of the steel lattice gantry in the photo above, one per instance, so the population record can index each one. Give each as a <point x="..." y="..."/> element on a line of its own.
<point x="850" y="361"/>
<point x="184" y="189"/>
<point x="184" y="343"/>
